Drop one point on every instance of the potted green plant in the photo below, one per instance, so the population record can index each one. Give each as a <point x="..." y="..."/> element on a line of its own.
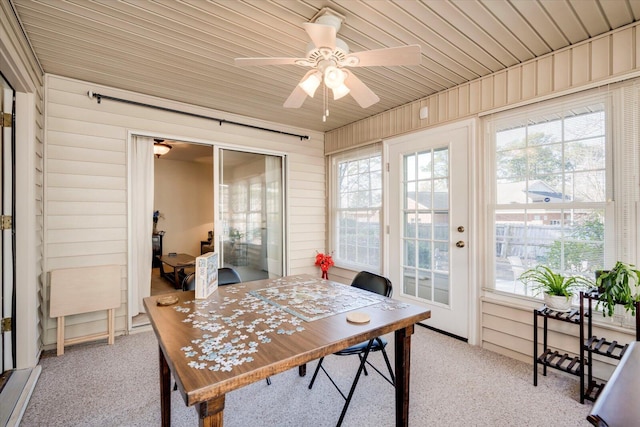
<point x="558" y="289"/>
<point x="620" y="285"/>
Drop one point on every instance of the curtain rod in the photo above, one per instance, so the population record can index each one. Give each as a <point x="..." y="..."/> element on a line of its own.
<point x="100" y="97"/>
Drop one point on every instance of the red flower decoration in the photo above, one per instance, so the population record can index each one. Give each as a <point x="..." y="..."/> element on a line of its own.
<point x="324" y="261"/>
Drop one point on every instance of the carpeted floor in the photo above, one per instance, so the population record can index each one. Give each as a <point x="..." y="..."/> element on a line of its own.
<point x="452" y="384"/>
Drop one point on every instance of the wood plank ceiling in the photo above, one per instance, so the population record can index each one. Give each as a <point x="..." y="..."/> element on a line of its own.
<point x="184" y="49"/>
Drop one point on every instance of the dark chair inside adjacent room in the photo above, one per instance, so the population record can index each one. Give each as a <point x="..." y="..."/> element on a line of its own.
<point x="226" y="276"/>
<point x="380" y="285"/>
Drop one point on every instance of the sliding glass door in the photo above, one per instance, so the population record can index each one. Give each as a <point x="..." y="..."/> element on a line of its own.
<point x="251" y="214"/>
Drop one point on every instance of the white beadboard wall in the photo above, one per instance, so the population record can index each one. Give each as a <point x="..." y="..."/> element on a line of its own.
<point x="604" y="59"/>
<point x="86" y="180"/>
<point x="507" y="327"/>
<point x="20" y="68"/>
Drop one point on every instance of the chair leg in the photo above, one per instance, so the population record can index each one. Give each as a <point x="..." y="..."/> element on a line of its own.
<point x="365" y="367"/>
<point x="315" y="373"/>
<point x="355" y="383"/>
<point x="386" y="359"/>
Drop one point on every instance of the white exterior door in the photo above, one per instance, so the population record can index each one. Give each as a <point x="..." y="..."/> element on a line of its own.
<point x="428" y="199"/>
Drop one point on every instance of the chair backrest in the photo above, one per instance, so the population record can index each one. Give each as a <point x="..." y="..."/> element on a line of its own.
<point x="373" y="283"/>
<point x="226" y="276"/>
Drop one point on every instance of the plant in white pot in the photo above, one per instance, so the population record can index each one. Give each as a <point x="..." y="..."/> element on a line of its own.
<point x="620" y="285"/>
<point x="558" y="289"/>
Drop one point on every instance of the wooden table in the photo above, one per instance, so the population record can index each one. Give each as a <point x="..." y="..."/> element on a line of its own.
<point x="177" y="262"/>
<point x="270" y="335"/>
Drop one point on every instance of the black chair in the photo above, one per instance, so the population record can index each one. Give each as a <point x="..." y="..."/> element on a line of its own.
<point x="379" y="285"/>
<point x="226" y="276"/>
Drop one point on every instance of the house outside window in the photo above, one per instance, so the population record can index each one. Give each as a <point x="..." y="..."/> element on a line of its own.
<point x="551" y="186"/>
<point x="356" y="178"/>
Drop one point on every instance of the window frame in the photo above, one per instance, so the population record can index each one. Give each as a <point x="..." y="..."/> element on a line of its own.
<point x="523" y="115"/>
<point x="372" y="150"/>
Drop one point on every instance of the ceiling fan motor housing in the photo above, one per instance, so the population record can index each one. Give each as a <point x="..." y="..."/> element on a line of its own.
<point x="328" y="16"/>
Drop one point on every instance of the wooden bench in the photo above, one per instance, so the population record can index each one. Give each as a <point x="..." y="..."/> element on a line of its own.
<point x="617" y="404"/>
<point x="83" y="290"/>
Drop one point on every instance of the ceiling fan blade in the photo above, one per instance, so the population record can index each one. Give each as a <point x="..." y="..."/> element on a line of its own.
<point x="265" y="61"/>
<point x="321" y="35"/>
<point x="403" y="55"/>
<point x="296" y="99"/>
<point x="360" y="92"/>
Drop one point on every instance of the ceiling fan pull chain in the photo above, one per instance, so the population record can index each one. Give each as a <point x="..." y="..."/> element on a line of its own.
<point x="325" y="103"/>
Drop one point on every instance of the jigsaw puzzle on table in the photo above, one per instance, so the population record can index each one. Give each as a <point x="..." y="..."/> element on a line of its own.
<point x="228" y="338"/>
<point x="314" y="299"/>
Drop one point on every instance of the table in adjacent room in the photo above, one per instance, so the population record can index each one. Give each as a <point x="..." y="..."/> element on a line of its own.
<point x="177" y="262"/>
<point x="250" y="331"/>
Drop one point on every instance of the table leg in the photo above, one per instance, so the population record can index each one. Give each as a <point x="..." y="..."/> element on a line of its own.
<point x="211" y="412"/>
<point x="402" y="362"/>
<point x="175" y="277"/>
<point x="302" y="370"/>
<point x="165" y="390"/>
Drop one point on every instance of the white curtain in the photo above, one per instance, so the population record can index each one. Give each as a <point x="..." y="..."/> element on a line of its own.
<point x="274" y="238"/>
<point x="141" y="218"/>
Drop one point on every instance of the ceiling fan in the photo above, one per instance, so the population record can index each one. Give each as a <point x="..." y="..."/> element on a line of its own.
<point x="330" y="60"/>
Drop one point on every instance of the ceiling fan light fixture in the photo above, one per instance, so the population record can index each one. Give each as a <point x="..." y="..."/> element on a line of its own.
<point x="160" y="148"/>
<point x="340" y="91"/>
<point x="311" y="83"/>
<point x="333" y="77"/>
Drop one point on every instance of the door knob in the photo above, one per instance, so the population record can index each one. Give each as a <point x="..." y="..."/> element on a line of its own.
<point x="460" y="244"/>
<point x="461" y="229"/>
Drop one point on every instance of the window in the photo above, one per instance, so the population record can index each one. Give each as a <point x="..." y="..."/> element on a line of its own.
<point x="357" y="182"/>
<point x="551" y="185"/>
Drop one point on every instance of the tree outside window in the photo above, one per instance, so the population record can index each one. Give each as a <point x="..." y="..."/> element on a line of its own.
<point x="550" y="178"/>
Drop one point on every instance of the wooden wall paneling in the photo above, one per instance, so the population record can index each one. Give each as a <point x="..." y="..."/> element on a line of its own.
<point x="622" y="51"/>
<point x="415" y="115"/>
<point x="83" y="261"/>
<point x="407" y="118"/>
<point x="514" y="85"/>
<point x="502" y="339"/>
<point x="487" y="94"/>
<point x="505" y="351"/>
<point x="474" y="93"/>
<point x="452" y="104"/>
<point x="505" y="311"/>
<point x="463" y="101"/>
<point x="601" y="54"/>
<point x="497" y="323"/>
<point x="580" y="69"/>
<point x="500" y="89"/>
<point x="434" y="110"/>
<point x="529" y="80"/>
<point x="442" y="107"/>
<point x="544" y="75"/>
<point x="561" y="70"/>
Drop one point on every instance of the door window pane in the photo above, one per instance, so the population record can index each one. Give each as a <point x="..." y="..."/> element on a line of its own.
<point x="427" y="208"/>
